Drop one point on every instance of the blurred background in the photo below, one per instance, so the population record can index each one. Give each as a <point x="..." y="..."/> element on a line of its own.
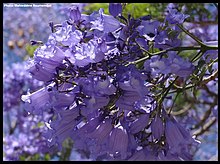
<point x="22" y="133"/>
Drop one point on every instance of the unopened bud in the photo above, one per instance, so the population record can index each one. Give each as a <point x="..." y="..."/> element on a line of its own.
<point x="75" y="13"/>
<point x="20" y="43"/>
<point x="11" y="44"/>
<point x="31" y="30"/>
<point x="20" y="32"/>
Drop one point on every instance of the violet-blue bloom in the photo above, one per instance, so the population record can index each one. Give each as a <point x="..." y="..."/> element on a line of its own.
<point x="63" y="126"/>
<point x="16" y="82"/>
<point x="173" y="64"/>
<point x="67" y="35"/>
<point x="115" y="9"/>
<point x="81" y="143"/>
<point x="37" y="71"/>
<point x="118" y="141"/>
<point x="148" y="29"/>
<point x="46" y="59"/>
<point x="102" y="131"/>
<point x="60" y="100"/>
<point x="38" y="101"/>
<point x="175" y="17"/>
<point x="140" y="123"/>
<point x="86" y="53"/>
<point x="75" y="13"/>
<point x="102" y="22"/>
<point x="157" y="127"/>
<point x="179" y="139"/>
<point x="94" y="95"/>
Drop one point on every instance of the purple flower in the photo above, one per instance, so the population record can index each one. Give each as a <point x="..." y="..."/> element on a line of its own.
<point x="215" y="111"/>
<point x="102" y="22"/>
<point x="139" y="124"/>
<point x="168" y="156"/>
<point x="127" y="100"/>
<point x="93" y="103"/>
<point x="173" y="64"/>
<point x="17" y="81"/>
<point x="60" y="100"/>
<point x="75" y="13"/>
<point x="175" y="17"/>
<point x="210" y="55"/>
<point x="178" y="139"/>
<point x="46" y="59"/>
<point x="145" y="154"/>
<point x="85" y="53"/>
<point x="62" y="127"/>
<point x="143" y="43"/>
<point x="118" y="142"/>
<point x="148" y="29"/>
<point x="133" y="89"/>
<point x="115" y="9"/>
<point x="102" y="131"/>
<point x="173" y="135"/>
<point x="37" y="71"/>
<point x="157" y="127"/>
<point x="38" y="101"/>
<point x="104" y="104"/>
<point x="67" y="35"/>
<point x="138" y="156"/>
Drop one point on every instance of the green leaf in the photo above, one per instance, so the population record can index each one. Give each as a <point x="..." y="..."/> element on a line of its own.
<point x="47" y="157"/>
<point x="30" y="49"/>
<point x="22" y="158"/>
<point x="40" y="124"/>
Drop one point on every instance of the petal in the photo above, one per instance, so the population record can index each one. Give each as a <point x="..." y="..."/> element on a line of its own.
<point x="115" y="9"/>
<point x="118" y="142"/>
<point x="139" y="124"/>
<point x="157" y="127"/>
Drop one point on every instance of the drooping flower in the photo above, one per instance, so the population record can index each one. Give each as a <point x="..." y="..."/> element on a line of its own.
<point x="38" y="101"/>
<point x="172" y="64"/>
<point x="157" y="127"/>
<point x="103" y="22"/>
<point x="75" y="13"/>
<point x="46" y="59"/>
<point x="175" y="17"/>
<point x="148" y="29"/>
<point x="115" y="9"/>
<point x="118" y="142"/>
<point x="62" y="127"/>
<point x="132" y="85"/>
<point x="179" y="139"/>
<point x="139" y="123"/>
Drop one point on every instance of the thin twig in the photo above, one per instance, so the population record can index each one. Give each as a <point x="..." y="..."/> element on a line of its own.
<point x="205" y="127"/>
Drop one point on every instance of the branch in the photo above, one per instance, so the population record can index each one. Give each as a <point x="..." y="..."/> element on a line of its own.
<point x="205" y="127"/>
<point x="191" y="35"/>
<point x="206" y="115"/>
<point x="171" y="49"/>
<point x="185" y="108"/>
<point x="210" y="78"/>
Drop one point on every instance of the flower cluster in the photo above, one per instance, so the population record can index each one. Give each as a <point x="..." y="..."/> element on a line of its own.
<point x="17" y="82"/>
<point x="28" y="23"/>
<point x="22" y="132"/>
<point x="102" y="95"/>
<point x="26" y="140"/>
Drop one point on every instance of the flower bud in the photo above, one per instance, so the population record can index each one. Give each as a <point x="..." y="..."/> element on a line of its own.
<point x="31" y="30"/>
<point x="20" y="32"/>
<point x="75" y="13"/>
<point x="20" y="43"/>
<point x="11" y="44"/>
